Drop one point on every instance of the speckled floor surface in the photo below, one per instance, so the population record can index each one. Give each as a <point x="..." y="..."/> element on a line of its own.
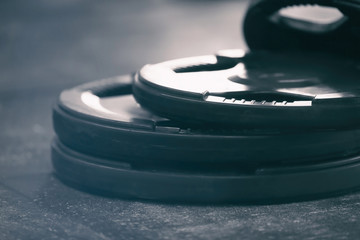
<point x="46" y="46"/>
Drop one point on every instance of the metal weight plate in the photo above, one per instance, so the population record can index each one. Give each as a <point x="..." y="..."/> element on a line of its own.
<point x="320" y="25"/>
<point x="263" y="184"/>
<point x="254" y="90"/>
<point x="102" y="119"/>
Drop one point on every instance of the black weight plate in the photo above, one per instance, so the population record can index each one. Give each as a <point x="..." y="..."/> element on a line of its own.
<point x="264" y="184"/>
<point x="265" y="28"/>
<point x="259" y="89"/>
<point x="102" y="119"/>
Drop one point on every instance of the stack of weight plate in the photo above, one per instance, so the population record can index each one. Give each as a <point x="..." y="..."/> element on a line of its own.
<point x="257" y="126"/>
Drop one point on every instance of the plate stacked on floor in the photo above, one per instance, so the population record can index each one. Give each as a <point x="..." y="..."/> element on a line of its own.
<point x="258" y="126"/>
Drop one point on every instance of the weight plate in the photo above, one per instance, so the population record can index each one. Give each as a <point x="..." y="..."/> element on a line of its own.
<point x="333" y="29"/>
<point x="102" y="119"/>
<point x="262" y="184"/>
<point x="259" y="90"/>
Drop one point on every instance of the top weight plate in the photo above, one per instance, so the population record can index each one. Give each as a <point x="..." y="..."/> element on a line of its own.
<point x="256" y="90"/>
<point x="307" y="25"/>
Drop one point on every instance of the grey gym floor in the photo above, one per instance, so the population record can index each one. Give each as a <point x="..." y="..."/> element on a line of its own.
<point x="46" y="46"/>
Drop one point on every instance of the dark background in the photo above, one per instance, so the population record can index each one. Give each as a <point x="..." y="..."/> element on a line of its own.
<point x="46" y="46"/>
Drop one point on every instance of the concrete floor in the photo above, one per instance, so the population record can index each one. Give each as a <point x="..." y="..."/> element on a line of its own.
<point x="46" y="46"/>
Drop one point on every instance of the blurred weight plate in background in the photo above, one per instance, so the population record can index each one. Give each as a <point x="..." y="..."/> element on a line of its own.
<point x="322" y="25"/>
